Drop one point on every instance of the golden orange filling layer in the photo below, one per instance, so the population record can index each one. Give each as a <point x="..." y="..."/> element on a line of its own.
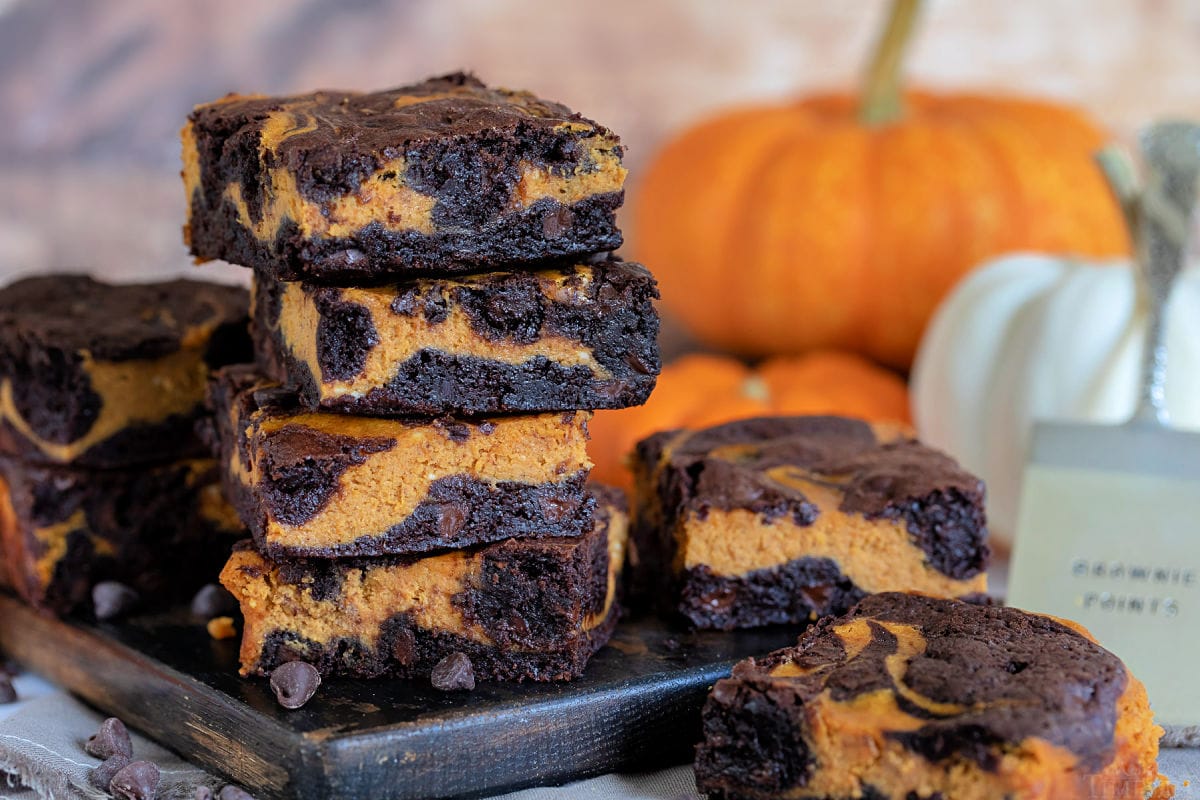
<point x="385" y="489"/>
<point x="401" y="336"/>
<point x="368" y="597"/>
<point x="384" y="197"/>
<point x="850" y="742"/>
<point x="133" y="392"/>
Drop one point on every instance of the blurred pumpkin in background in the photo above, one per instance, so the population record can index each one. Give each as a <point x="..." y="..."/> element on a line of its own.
<point x="700" y="390"/>
<point x="841" y="221"/>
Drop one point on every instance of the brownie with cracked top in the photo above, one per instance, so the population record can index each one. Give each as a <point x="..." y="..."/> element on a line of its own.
<point x="914" y="697"/>
<point x="327" y="485"/>
<point x="446" y="175"/>
<point x="785" y="519"/>
<point x="522" y="609"/>
<point x="100" y="375"/>
<point x="582" y="336"/>
<point x="164" y="530"/>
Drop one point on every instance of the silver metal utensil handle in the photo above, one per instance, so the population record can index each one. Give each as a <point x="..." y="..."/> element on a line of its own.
<point x="1171" y="153"/>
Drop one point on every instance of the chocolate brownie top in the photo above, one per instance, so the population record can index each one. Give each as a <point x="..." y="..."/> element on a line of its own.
<point x="73" y="313"/>
<point x="338" y="138"/>
<point x="977" y="677"/>
<point x="765" y="465"/>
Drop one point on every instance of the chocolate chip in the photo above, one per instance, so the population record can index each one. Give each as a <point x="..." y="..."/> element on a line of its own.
<point x="111" y="599"/>
<point x="232" y="792"/>
<point x="102" y="776"/>
<point x="453" y="673"/>
<point x="112" y="739"/>
<point x="404" y="647"/>
<point x="137" y="780"/>
<point x="213" y="601"/>
<point x="294" y="683"/>
<point x="8" y="693"/>
<point x="203" y="793"/>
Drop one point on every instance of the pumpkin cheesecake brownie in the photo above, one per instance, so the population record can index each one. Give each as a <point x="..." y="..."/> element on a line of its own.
<point x="99" y="375"/>
<point x="320" y="484"/>
<point x="580" y="336"/>
<point x="521" y="609"/>
<point x="447" y="175"/>
<point x="784" y="519"/>
<point x="163" y="530"/>
<point x="914" y="697"/>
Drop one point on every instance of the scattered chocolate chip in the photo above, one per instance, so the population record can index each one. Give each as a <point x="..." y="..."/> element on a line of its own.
<point x="112" y="739"/>
<point x="137" y="780"/>
<point x="294" y="683"/>
<point x="453" y="673"/>
<point x="203" y="793"/>
<point x="102" y="776"/>
<point x="111" y="599"/>
<point x="232" y="792"/>
<point x="213" y="601"/>
<point x="8" y="693"/>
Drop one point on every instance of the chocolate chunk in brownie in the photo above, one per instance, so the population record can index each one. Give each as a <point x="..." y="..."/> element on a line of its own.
<point x="321" y="484"/>
<point x="914" y="696"/>
<point x="447" y="175"/>
<point x="99" y="375"/>
<point x="783" y="519"/>
<point x="581" y="336"/>
<point x="521" y="609"/>
<point x="162" y="531"/>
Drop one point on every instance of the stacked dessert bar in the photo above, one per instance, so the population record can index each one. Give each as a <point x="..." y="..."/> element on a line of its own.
<point x="101" y="474"/>
<point x="435" y="316"/>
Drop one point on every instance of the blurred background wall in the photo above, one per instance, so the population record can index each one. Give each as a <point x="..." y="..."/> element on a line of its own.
<point x="92" y="93"/>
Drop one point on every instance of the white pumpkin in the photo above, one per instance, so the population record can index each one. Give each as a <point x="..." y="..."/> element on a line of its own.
<point x="1031" y="337"/>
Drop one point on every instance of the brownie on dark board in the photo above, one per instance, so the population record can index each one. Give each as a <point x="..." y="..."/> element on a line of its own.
<point x="521" y="609"/>
<point x="327" y="485"/>
<point x="785" y="519"/>
<point x="100" y="375"/>
<point x="910" y="696"/>
<point x="577" y="337"/>
<point x="163" y="530"/>
<point x="447" y="175"/>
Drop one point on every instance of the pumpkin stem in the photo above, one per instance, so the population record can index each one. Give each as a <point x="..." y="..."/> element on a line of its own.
<point x="882" y="99"/>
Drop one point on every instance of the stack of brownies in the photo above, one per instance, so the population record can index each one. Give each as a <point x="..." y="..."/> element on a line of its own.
<point x="434" y="318"/>
<point x="102" y="478"/>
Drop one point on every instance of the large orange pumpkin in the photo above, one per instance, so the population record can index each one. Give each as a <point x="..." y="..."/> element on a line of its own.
<point x="696" y="391"/>
<point x="840" y="222"/>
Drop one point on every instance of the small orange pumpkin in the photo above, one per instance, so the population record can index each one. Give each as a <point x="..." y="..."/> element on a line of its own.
<point x="845" y="220"/>
<point x="697" y="391"/>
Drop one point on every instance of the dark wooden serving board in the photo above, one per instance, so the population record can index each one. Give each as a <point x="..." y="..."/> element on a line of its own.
<point x="636" y="707"/>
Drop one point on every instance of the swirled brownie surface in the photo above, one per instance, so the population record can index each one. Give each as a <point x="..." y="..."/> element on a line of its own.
<point x="164" y="530"/>
<point x="99" y="375"/>
<point x="582" y="336"/>
<point x="522" y="609"/>
<point x="783" y="519"/>
<point x="320" y="484"/>
<point x="441" y="176"/>
<point x="910" y="696"/>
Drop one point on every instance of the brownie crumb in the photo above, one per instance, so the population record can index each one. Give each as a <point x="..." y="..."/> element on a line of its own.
<point x="137" y="780"/>
<point x="112" y="739"/>
<point x="453" y="673"/>
<point x="102" y="776"/>
<point x="221" y="628"/>
<point x="213" y="601"/>
<point x="294" y="683"/>
<point x="111" y="599"/>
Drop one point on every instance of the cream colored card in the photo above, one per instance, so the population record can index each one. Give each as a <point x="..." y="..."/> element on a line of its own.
<point x="1120" y="553"/>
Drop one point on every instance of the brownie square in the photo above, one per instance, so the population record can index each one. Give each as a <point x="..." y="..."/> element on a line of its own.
<point x="920" y="698"/>
<point x="100" y="375"/>
<point x="784" y="519"/>
<point x="164" y="530"/>
<point x="522" y="609"/>
<point x="325" y="485"/>
<point x="447" y="175"/>
<point x="576" y="337"/>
